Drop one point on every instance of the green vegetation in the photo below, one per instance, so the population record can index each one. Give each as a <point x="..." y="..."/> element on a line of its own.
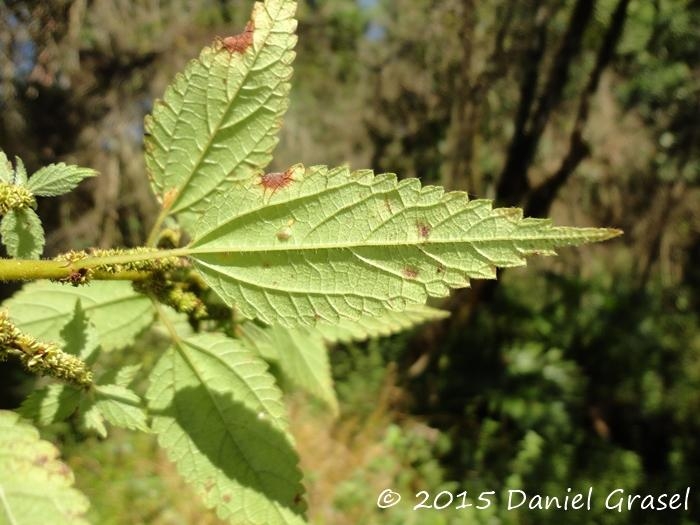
<point x="579" y="372"/>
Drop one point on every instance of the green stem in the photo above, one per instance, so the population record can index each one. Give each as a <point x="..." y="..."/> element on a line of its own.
<point x="30" y="270"/>
<point x="153" y="235"/>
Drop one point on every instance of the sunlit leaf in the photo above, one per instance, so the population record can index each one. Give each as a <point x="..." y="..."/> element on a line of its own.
<point x="35" y="486"/>
<point x="118" y="313"/>
<point x="57" y="179"/>
<point x="22" y="234"/>
<point x="121" y="407"/>
<point x="299" y="354"/>
<point x="50" y="404"/>
<point x="218" y="121"/>
<point x="323" y="245"/>
<point x="220" y="418"/>
<point x="368" y="326"/>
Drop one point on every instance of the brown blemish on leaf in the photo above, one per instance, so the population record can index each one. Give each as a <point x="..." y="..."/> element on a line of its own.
<point x="265" y="264"/>
<point x="169" y="197"/>
<point x="240" y="42"/>
<point x="284" y="234"/>
<point x="226" y="498"/>
<point x="440" y="269"/>
<point x="423" y="229"/>
<point x="410" y="272"/>
<point x="387" y="204"/>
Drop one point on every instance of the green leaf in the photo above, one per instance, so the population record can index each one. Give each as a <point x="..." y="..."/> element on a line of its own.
<point x="92" y="418"/>
<point x="126" y="375"/>
<point x="6" y="171"/>
<point x="57" y="179"/>
<point x="390" y="322"/>
<point x="35" y="486"/>
<point x="217" y="122"/>
<point x="118" y="313"/>
<point x="300" y="355"/>
<point x="80" y="335"/>
<point x="22" y="234"/>
<point x="121" y="407"/>
<point x="220" y="418"/>
<point x="20" y="175"/>
<point x="323" y="245"/>
<point x="51" y="404"/>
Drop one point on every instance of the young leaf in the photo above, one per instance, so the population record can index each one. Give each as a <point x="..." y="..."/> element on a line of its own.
<point x="300" y="355"/>
<point x="57" y="179"/>
<point x="121" y="407"/>
<point x="92" y="417"/>
<point x="35" y="486"/>
<point x="220" y="418"/>
<point x="51" y="404"/>
<point x="316" y="244"/>
<point x="22" y="234"/>
<point x="20" y="175"/>
<point x="390" y="322"/>
<point x="217" y="122"/>
<point x="118" y="313"/>
<point x="6" y="171"/>
<point x="126" y="375"/>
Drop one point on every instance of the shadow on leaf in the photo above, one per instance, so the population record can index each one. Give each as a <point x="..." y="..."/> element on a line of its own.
<point x="235" y="457"/>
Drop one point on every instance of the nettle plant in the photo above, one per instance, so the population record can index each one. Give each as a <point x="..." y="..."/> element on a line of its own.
<point x="244" y="272"/>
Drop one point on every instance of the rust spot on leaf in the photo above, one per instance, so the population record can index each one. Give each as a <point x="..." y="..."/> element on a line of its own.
<point x="440" y="269"/>
<point x="240" y="42"/>
<point x="423" y="229"/>
<point x="410" y="272"/>
<point x="226" y="498"/>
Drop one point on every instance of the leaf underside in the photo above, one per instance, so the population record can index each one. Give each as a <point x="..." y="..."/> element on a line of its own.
<point x="35" y="487"/>
<point x="220" y="418"/>
<point x="218" y="121"/>
<point x="390" y="322"/>
<point x="22" y="234"/>
<point x="118" y="313"/>
<point x="300" y="355"/>
<point x="332" y="244"/>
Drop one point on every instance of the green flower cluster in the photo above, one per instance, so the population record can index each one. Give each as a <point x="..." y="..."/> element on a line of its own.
<point x="40" y="358"/>
<point x="13" y="197"/>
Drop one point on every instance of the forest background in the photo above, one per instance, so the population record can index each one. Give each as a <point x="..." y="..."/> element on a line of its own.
<point x="582" y="370"/>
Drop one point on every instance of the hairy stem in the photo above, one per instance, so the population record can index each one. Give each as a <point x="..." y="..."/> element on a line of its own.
<point x="25" y="270"/>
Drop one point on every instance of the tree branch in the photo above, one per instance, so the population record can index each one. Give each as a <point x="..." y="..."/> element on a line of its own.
<point x="541" y="198"/>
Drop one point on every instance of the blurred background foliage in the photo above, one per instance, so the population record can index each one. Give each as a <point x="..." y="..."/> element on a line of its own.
<point x="579" y="371"/>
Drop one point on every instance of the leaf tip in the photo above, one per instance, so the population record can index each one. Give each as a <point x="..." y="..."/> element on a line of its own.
<point x="241" y="42"/>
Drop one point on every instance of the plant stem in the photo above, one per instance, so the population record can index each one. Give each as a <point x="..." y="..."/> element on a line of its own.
<point x="153" y="235"/>
<point x="30" y="270"/>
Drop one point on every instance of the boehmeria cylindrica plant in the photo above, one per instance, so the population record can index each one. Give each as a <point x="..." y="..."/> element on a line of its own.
<point x="242" y="269"/>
